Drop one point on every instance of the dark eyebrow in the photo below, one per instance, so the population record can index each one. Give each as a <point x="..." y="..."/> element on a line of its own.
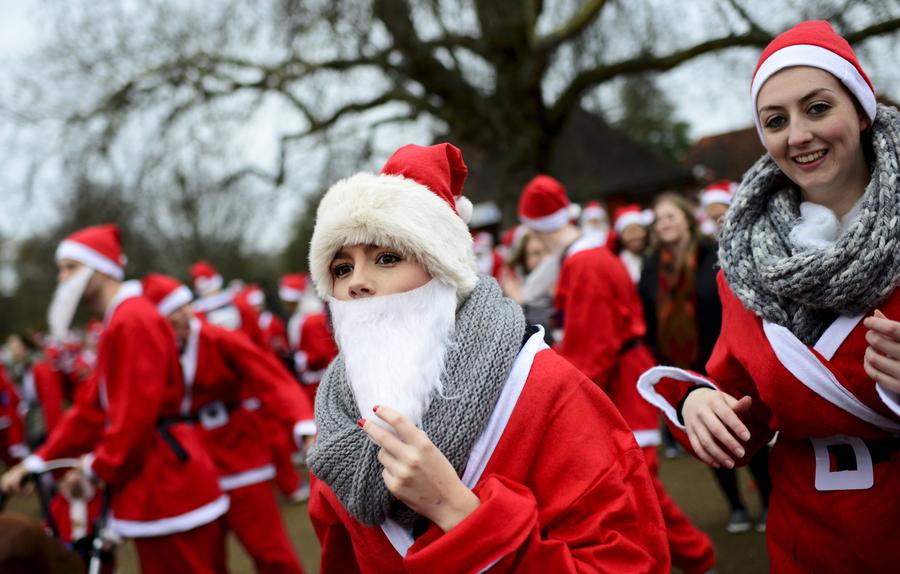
<point x="810" y="95"/>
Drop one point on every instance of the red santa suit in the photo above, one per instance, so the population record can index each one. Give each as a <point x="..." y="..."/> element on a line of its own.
<point x="603" y="327"/>
<point x="12" y="431"/>
<point x="223" y="310"/>
<point x="165" y="490"/>
<point x="274" y="333"/>
<point x="543" y="508"/>
<point x="220" y="368"/>
<point x="835" y="469"/>
<point x="314" y="350"/>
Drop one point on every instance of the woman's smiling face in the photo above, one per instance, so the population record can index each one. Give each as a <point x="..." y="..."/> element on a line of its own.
<point x="811" y="128"/>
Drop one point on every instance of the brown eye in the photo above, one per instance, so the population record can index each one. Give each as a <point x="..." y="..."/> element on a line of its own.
<point x="775" y="122"/>
<point x="388" y="259"/>
<point x="818" y="108"/>
<point x="341" y="270"/>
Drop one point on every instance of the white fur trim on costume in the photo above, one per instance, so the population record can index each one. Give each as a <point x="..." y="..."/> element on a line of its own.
<point x="19" y="451"/>
<point x="889" y="398"/>
<point x="708" y="198"/>
<point x="34" y="463"/>
<point x="188" y="361"/>
<point x="806" y="367"/>
<point x="648" y="380"/>
<point x="174" y="301"/>
<point x="303" y="429"/>
<point x="247" y="477"/>
<point x="401" y="538"/>
<point x="633" y="218"/>
<point x="548" y="223"/>
<point x="392" y="211"/>
<point x="836" y="334"/>
<point x="290" y="295"/>
<point x="648" y="437"/>
<point x="87" y="464"/>
<point x="206" y="285"/>
<point x="80" y="252"/>
<point x="815" y="57"/>
<point x="127" y="290"/>
<point x="251" y="404"/>
<point x="172" y="524"/>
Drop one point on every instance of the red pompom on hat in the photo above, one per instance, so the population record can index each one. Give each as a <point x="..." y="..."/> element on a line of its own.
<point x="631" y="214"/>
<point x="544" y="205"/>
<point x="98" y="247"/>
<point x="415" y="205"/>
<point x="291" y="287"/>
<point x="718" y="192"/>
<point x="814" y="43"/>
<point x="167" y="293"/>
<point x="205" y="277"/>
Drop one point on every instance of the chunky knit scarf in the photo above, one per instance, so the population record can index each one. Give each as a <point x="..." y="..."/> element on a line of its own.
<point x="487" y="337"/>
<point x="803" y="290"/>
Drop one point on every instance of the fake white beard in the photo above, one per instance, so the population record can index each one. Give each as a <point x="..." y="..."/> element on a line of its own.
<point x="65" y="302"/>
<point x="819" y="227"/>
<point x="394" y="347"/>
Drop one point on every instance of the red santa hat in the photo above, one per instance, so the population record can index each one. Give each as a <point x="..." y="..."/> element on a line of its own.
<point x="415" y="205"/>
<point x="205" y="277"/>
<point x="98" y="247"/>
<point x="544" y="205"/>
<point x="631" y="214"/>
<point x="167" y="293"/>
<point x="814" y="43"/>
<point x="291" y="287"/>
<point x="718" y="192"/>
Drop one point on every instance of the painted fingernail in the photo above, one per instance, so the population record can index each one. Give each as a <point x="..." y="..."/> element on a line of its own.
<point x="375" y="409"/>
<point x="361" y="423"/>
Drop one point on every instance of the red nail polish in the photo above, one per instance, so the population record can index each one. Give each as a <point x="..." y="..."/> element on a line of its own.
<point x="361" y="423"/>
<point x="375" y="409"/>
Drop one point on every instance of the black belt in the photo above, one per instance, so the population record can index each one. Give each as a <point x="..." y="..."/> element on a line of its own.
<point x="880" y="450"/>
<point x="162" y="425"/>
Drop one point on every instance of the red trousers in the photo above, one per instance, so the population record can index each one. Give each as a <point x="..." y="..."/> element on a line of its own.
<point x="691" y="549"/>
<point x="256" y="521"/>
<point x="199" y="551"/>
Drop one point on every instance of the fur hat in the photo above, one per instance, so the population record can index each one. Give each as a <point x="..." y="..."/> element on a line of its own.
<point x="414" y="205"/>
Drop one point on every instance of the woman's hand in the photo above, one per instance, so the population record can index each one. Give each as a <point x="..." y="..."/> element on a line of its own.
<point x="710" y="416"/>
<point x="417" y="473"/>
<point x="882" y="358"/>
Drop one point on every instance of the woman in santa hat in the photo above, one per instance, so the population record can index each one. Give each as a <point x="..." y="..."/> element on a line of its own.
<point x="479" y="447"/>
<point x="809" y="345"/>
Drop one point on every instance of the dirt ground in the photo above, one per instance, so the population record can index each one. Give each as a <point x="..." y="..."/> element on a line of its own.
<point x="690" y="484"/>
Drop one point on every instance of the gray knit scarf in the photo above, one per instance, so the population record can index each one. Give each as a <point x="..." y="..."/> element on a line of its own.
<point x="487" y="337"/>
<point x="803" y="290"/>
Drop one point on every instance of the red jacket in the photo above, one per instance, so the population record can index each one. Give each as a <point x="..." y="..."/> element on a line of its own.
<point x="224" y="310"/>
<point x="221" y="368"/>
<point x="833" y="484"/>
<point x="136" y="385"/>
<point x="316" y="348"/>
<point x="603" y="326"/>
<point x="566" y="489"/>
<point x="12" y="431"/>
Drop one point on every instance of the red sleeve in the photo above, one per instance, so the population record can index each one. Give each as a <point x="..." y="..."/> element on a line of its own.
<point x="665" y="387"/>
<point x="337" y="549"/>
<point x="267" y="378"/>
<point x="586" y="509"/>
<point x="11" y="422"/>
<point x="139" y="353"/>
<point x="595" y="317"/>
<point x="49" y="385"/>
<point x="317" y="342"/>
<point x="80" y="428"/>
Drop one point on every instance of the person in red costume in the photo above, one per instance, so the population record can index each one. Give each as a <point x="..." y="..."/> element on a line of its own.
<point x="309" y="333"/>
<point x="603" y="326"/>
<point x="810" y="336"/>
<point x="220" y="306"/>
<point x="220" y="367"/>
<point x="165" y="490"/>
<point x="480" y="447"/>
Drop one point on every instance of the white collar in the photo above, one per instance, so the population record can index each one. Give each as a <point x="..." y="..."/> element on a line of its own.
<point x="127" y="290"/>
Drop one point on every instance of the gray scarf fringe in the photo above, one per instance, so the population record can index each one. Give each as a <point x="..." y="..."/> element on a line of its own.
<point x="488" y="335"/>
<point x="804" y="290"/>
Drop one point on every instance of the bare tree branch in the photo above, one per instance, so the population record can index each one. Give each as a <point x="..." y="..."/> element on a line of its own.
<point x="573" y="27"/>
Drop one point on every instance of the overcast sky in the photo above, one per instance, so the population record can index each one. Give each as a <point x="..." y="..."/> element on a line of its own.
<point x="708" y="106"/>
